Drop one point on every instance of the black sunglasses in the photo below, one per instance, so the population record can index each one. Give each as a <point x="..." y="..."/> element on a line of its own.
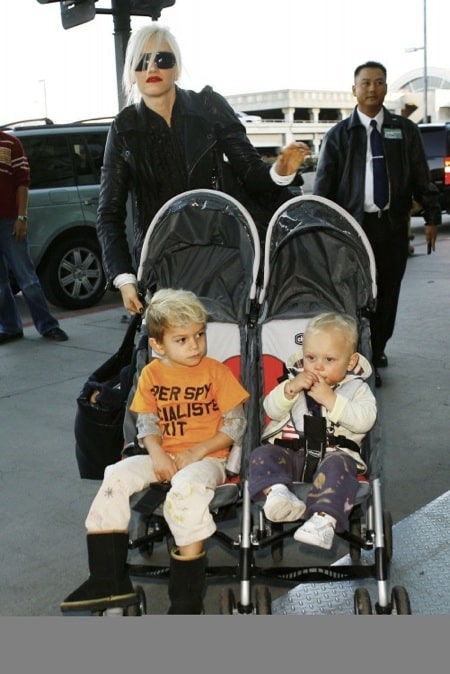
<point x="162" y="59"/>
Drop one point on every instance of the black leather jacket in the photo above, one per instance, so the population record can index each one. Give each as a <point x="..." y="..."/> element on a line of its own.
<point x="209" y="130"/>
<point x="341" y="168"/>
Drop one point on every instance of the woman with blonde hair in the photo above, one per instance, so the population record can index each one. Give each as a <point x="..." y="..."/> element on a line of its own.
<point x="168" y="140"/>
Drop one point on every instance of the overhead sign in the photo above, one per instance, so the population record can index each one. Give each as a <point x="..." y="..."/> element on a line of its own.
<point x="76" y="12"/>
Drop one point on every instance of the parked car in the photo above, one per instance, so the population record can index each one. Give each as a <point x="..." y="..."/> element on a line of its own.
<point x="246" y="119"/>
<point x="65" y="162"/>
<point x="436" y="140"/>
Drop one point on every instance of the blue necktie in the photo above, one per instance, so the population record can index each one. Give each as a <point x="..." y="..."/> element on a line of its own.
<point x="380" y="179"/>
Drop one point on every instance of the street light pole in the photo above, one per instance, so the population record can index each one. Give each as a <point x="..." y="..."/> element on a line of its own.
<point x="425" y="64"/>
<point x="45" y="96"/>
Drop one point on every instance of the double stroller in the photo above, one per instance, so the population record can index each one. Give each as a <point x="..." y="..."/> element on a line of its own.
<point x="316" y="258"/>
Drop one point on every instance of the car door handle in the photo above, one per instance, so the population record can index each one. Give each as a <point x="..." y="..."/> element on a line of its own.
<point x="91" y="202"/>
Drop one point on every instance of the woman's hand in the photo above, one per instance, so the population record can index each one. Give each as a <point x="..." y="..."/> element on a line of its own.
<point x="291" y="158"/>
<point x="130" y="298"/>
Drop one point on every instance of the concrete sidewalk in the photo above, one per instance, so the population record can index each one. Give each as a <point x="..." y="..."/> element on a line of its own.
<point x="43" y="502"/>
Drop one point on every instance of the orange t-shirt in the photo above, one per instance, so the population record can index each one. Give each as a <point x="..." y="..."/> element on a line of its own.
<point x="189" y="401"/>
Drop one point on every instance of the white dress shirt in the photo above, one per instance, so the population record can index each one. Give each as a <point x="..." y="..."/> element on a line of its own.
<point x="369" y="204"/>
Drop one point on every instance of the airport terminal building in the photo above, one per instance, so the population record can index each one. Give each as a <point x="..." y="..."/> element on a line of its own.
<point x="296" y="114"/>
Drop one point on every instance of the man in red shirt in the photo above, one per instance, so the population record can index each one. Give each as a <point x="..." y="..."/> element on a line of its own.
<point x="14" y="249"/>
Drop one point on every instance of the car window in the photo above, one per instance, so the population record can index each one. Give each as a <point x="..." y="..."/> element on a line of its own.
<point x="434" y="141"/>
<point x="89" y="154"/>
<point x="64" y="160"/>
<point x="50" y="161"/>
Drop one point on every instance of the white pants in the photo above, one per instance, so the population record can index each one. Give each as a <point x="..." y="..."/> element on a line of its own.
<point x="186" y="507"/>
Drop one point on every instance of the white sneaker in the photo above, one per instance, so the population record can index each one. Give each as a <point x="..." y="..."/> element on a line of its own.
<point x="282" y="505"/>
<point x="318" y="531"/>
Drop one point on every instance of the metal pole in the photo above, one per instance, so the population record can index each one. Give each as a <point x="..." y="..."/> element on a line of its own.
<point x="122" y="30"/>
<point x="45" y="96"/>
<point x="425" y="65"/>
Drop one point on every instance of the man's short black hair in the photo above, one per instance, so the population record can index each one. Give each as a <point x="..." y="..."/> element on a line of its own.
<point x="370" y="64"/>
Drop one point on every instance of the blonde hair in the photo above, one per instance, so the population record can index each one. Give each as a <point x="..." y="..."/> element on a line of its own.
<point x="344" y="323"/>
<point x="136" y="47"/>
<point x="170" y="308"/>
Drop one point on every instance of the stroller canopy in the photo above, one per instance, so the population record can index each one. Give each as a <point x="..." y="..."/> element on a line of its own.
<point x="204" y="241"/>
<point x="317" y="258"/>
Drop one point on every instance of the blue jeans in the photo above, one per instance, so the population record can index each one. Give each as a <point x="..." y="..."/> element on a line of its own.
<point x="15" y="255"/>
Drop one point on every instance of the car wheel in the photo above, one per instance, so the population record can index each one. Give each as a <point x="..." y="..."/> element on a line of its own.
<point x="72" y="274"/>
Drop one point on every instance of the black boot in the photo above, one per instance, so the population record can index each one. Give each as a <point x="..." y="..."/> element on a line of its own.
<point x="186" y="584"/>
<point x="108" y="584"/>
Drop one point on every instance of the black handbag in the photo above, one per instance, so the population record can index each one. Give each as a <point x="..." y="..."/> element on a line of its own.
<point x="101" y="406"/>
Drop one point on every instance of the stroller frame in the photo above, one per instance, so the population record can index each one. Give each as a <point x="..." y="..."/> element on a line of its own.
<point x="219" y="222"/>
<point x="268" y="301"/>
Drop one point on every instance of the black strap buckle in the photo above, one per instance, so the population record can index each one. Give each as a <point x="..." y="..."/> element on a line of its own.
<point x="315" y="445"/>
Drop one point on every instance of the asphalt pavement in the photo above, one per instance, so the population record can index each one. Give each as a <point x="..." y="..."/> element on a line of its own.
<point x="43" y="501"/>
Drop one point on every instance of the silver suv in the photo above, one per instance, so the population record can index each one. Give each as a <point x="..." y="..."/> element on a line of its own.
<point x="65" y="162"/>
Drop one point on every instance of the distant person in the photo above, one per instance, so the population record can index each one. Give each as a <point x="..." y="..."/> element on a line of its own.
<point x="169" y="140"/>
<point x="185" y="444"/>
<point x="14" y="249"/>
<point x="377" y="187"/>
<point x="326" y="378"/>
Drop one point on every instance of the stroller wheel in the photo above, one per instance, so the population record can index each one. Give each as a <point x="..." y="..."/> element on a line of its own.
<point x="263" y="600"/>
<point x="141" y="607"/>
<point x="362" y="602"/>
<point x="227" y="601"/>
<point x="400" y="601"/>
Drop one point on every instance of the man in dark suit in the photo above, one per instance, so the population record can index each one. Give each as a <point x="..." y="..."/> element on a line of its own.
<point x="376" y="183"/>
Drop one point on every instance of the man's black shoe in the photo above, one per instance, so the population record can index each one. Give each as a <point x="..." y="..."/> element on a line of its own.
<point x="380" y="361"/>
<point x="56" y="334"/>
<point x="4" y="337"/>
<point x="378" y="381"/>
